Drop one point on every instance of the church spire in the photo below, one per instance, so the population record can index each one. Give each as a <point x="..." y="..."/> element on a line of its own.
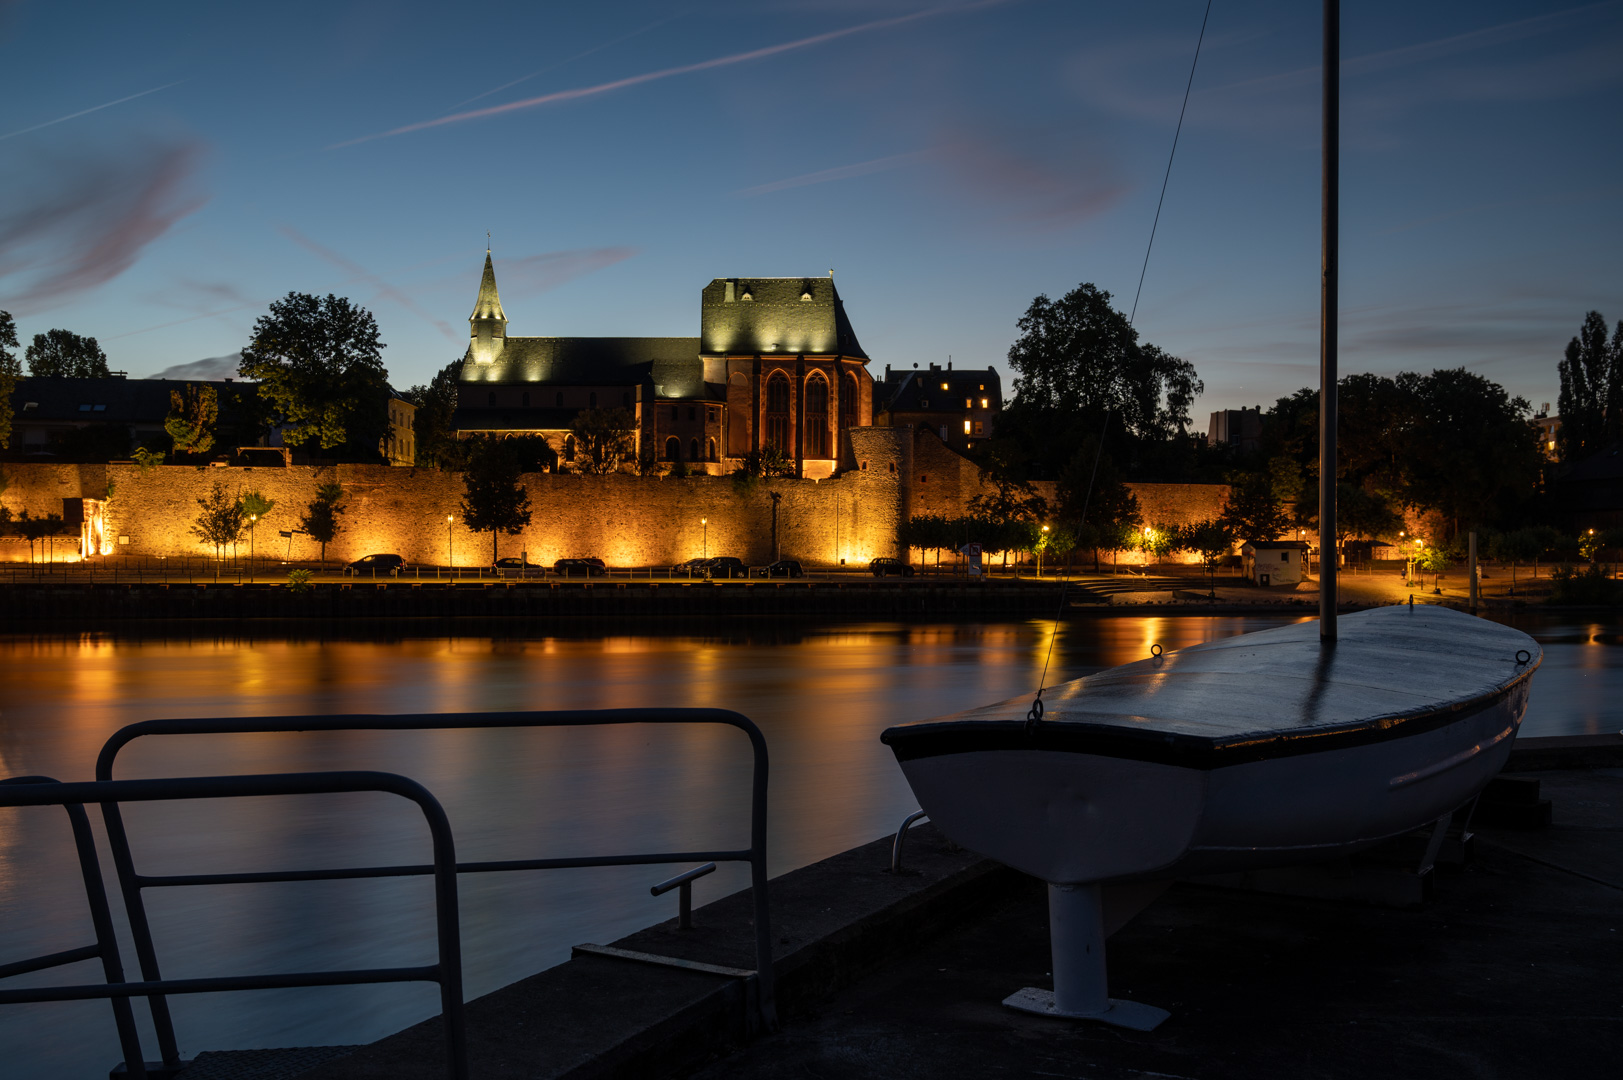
<point x="487" y="326"/>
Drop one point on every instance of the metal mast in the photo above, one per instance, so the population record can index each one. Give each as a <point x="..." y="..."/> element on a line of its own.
<point x="1330" y="198"/>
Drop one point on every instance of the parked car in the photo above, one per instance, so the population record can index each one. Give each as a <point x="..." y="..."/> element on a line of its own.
<point x="885" y="565"/>
<point x="690" y="568"/>
<point x="781" y="568"/>
<point x="725" y="566"/>
<point x="377" y="566"/>
<point x="579" y="568"/>
<point x="519" y="568"/>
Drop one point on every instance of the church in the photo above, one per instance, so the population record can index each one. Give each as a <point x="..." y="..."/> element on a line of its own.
<point x="776" y="365"/>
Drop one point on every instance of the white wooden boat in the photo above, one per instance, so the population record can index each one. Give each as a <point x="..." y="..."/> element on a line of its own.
<point x="1256" y="750"/>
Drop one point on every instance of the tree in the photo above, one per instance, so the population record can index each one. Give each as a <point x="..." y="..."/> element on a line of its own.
<point x="603" y="439"/>
<point x="9" y="370"/>
<point x="1252" y="511"/>
<point x="193" y="412"/>
<point x="1471" y="453"/>
<point x="433" y="431"/>
<point x="36" y="529"/>
<point x="1361" y="513"/>
<point x="319" y="362"/>
<point x="1591" y="397"/>
<point x="495" y="501"/>
<point x="64" y="353"/>
<point x="219" y="521"/>
<point x="1211" y="540"/>
<point x="1156" y="541"/>
<point x="320" y="519"/>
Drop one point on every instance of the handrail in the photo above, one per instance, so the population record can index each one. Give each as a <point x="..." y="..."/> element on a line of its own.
<point x="447" y="972"/>
<point x="131" y="883"/>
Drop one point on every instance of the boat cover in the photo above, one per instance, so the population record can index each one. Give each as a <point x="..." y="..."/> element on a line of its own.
<point x="1393" y="672"/>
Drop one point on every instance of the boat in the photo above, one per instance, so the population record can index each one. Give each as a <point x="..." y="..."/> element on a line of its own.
<point x="1257" y="750"/>
<point x="1302" y="742"/>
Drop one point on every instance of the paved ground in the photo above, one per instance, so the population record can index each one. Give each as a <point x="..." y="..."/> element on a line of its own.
<point x="1515" y="970"/>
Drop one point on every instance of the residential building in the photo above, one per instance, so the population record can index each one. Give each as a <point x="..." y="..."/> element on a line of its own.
<point x="1239" y="428"/>
<point x="959" y="406"/>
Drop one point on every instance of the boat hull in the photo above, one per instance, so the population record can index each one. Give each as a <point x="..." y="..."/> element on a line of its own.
<point x="1072" y="817"/>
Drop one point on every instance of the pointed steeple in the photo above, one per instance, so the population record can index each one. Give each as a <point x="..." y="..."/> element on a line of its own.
<point x="487" y="326"/>
<point x="489" y="304"/>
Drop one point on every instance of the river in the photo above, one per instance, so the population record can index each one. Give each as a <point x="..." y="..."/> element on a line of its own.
<point x="820" y="695"/>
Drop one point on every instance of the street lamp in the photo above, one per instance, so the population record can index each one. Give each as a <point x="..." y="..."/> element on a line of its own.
<point x="253" y="519"/>
<point x="706" y="548"/>
<point x="449" y="562"/>
<point x="1040" y="545"/>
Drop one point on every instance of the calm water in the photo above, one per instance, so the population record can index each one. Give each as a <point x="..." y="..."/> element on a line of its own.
<point x="821" y="696"/>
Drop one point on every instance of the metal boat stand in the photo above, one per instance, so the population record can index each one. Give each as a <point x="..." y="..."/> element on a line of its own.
<point x="1076" y="929"/>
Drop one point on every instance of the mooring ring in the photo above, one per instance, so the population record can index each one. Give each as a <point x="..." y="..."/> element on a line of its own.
<point x="1523" y="656"/>
<point x="1155" y="650"/>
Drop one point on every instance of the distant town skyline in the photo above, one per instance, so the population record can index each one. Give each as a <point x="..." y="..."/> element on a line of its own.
<point x="176" y="169"/>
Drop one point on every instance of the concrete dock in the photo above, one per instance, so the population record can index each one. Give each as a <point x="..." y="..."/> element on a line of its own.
<point x="1511" y="966"/>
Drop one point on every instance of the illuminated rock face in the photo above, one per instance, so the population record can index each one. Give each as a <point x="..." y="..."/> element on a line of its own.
<point x="776" y="365"/>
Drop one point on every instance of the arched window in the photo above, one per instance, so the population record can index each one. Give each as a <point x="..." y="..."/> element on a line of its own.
<point x="693" y="450"/>
<point x="676" y="413"/>
<point x="673" y="449"/>
<point x="850" y="401"/>
<point x="777" y="412"/>
<point x="569" y="448"/>
<point x="710" y="449"/>
<point x="817" y="416"/>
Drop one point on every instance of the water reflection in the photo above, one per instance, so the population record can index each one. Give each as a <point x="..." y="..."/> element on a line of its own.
<point x="821" y="695"/>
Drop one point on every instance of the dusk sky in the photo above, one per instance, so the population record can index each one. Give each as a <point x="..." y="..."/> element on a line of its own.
<point x="169" y="169"/>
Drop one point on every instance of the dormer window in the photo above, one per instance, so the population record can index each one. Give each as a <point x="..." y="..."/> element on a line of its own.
<point x="943" y="386"/>
<point x="747" y="296"/>
<point x="805" y="298"/>
<point x="924" y="403"/>
<point x="84" y="408"/>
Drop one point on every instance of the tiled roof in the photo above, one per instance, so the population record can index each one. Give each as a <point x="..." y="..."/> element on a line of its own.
<point x="579" y="361"/>
<point x="920" y="391"/>
<point x="775" y="316"/>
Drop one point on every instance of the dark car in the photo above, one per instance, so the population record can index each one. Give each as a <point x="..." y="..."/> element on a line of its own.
<point x="782" y="568"/>
<point x="579" y="568"/>
<point x="377" y="566"/>
<point x="690" y="568"/>
<point x="885" y="565"/>
<point x="725" y="566"/>
<point x="519" y="568"/>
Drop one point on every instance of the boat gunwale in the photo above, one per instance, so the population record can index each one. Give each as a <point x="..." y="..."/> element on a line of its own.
<point x="910" y="742"/>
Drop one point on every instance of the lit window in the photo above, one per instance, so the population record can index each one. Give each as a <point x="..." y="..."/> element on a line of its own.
<point x="983" y="403"/>
<point x="968" y="404"/>
<point x="983" y="386"/>
<point x="966" y="427"/>
<point x="943" y="386"/>
<point x="980" y="429"/>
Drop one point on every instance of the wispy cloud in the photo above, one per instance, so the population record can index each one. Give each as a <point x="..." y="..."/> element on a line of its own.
<point x="842" y="172"/>
<point x="1038" y="178"/>
<point x="71" y="225"/>
<point x="532" y="274"/>
<point x="87" y="112"/>
<point x="671" y="72"/>
<point x="361" y="274"/>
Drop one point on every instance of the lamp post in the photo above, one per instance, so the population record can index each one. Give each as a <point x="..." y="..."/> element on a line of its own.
<point x="705" y="550"/>
<point x="449" y="562"/>
<point x="1041" y="543"/>
<point x="253" y="519"/>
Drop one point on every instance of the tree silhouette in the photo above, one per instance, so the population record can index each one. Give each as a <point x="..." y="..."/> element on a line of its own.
<point x="64" y="353"/>
<point x="495" y="501"/>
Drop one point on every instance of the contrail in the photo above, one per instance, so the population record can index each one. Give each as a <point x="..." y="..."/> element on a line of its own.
<point x="87" y="112"/>
<point x="843" y="172"/>
<point x="365" y="275"/>
<point x="666" y="73"/>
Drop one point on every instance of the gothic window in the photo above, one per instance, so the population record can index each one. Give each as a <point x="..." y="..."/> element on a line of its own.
<point x="693" y="450"/>
<point x="569" y="448"/>
<point x="676" y="413"/>
<point x="691" y="414"/>
<point x="710" y="449"/>
<point x="850" y="401"/>
<point x="777" y="412"/>
<point x="817" y="416"/>
<point x="673" y="449"/>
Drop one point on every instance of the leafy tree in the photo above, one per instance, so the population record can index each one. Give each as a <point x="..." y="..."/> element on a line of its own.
<point x="193" y="412"/>
<point x="767" y="462"/>
<point x="1013" y="497"/>
<point x="1211" y="540"/>
<point x="319" y="362"/>
<point x="1521" y="545"/>
<point x="36" y="529"/>
<point x="9" y="370"/>
<point x="1471" y="453"/>
<point x="256" y="505"/>
<point x="1252" y="511"/>
<point x="1364" y="513"/>
<point x="604" y="438"/>
<point x="1433" y="560"/>
<point x="495" y="501"/>
<point x="1591" y="397"/>
<point x="433" y="431"/>
<point x="64" y="353"/>
<point x="320" y="519"/>
<point x="1157" y="540"/>
<point x="1061" y="540"/>
<point x="220" y="520"/>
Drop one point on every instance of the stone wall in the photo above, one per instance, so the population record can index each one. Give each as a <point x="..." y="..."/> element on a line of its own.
<point x="622" y="519"/>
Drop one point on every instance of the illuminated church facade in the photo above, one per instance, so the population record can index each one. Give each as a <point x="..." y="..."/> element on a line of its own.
<point x="776" y="364"/>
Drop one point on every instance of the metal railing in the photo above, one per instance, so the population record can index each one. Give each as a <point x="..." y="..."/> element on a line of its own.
<point x="131" y="882"/>
<point x="447" y="972"/>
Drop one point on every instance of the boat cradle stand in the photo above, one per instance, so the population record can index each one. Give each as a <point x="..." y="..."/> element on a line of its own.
<point x="1076" y="928"/>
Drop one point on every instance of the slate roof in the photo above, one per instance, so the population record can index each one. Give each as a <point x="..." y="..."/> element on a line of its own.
<point x="106" y="401"/>
<point x="606" y="361"/>
<point x="489" y="303"/>
<point x="782" y="316"/>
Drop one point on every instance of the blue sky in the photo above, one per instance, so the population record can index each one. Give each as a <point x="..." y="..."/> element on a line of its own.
<point x="948" y="160"/>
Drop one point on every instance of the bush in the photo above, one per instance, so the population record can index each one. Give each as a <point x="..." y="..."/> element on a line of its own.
<point x="298" y="581"/>
<point x="1587" y="586"/>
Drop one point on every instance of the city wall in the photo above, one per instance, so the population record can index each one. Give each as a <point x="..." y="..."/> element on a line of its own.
<point x="625" y="520"/>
